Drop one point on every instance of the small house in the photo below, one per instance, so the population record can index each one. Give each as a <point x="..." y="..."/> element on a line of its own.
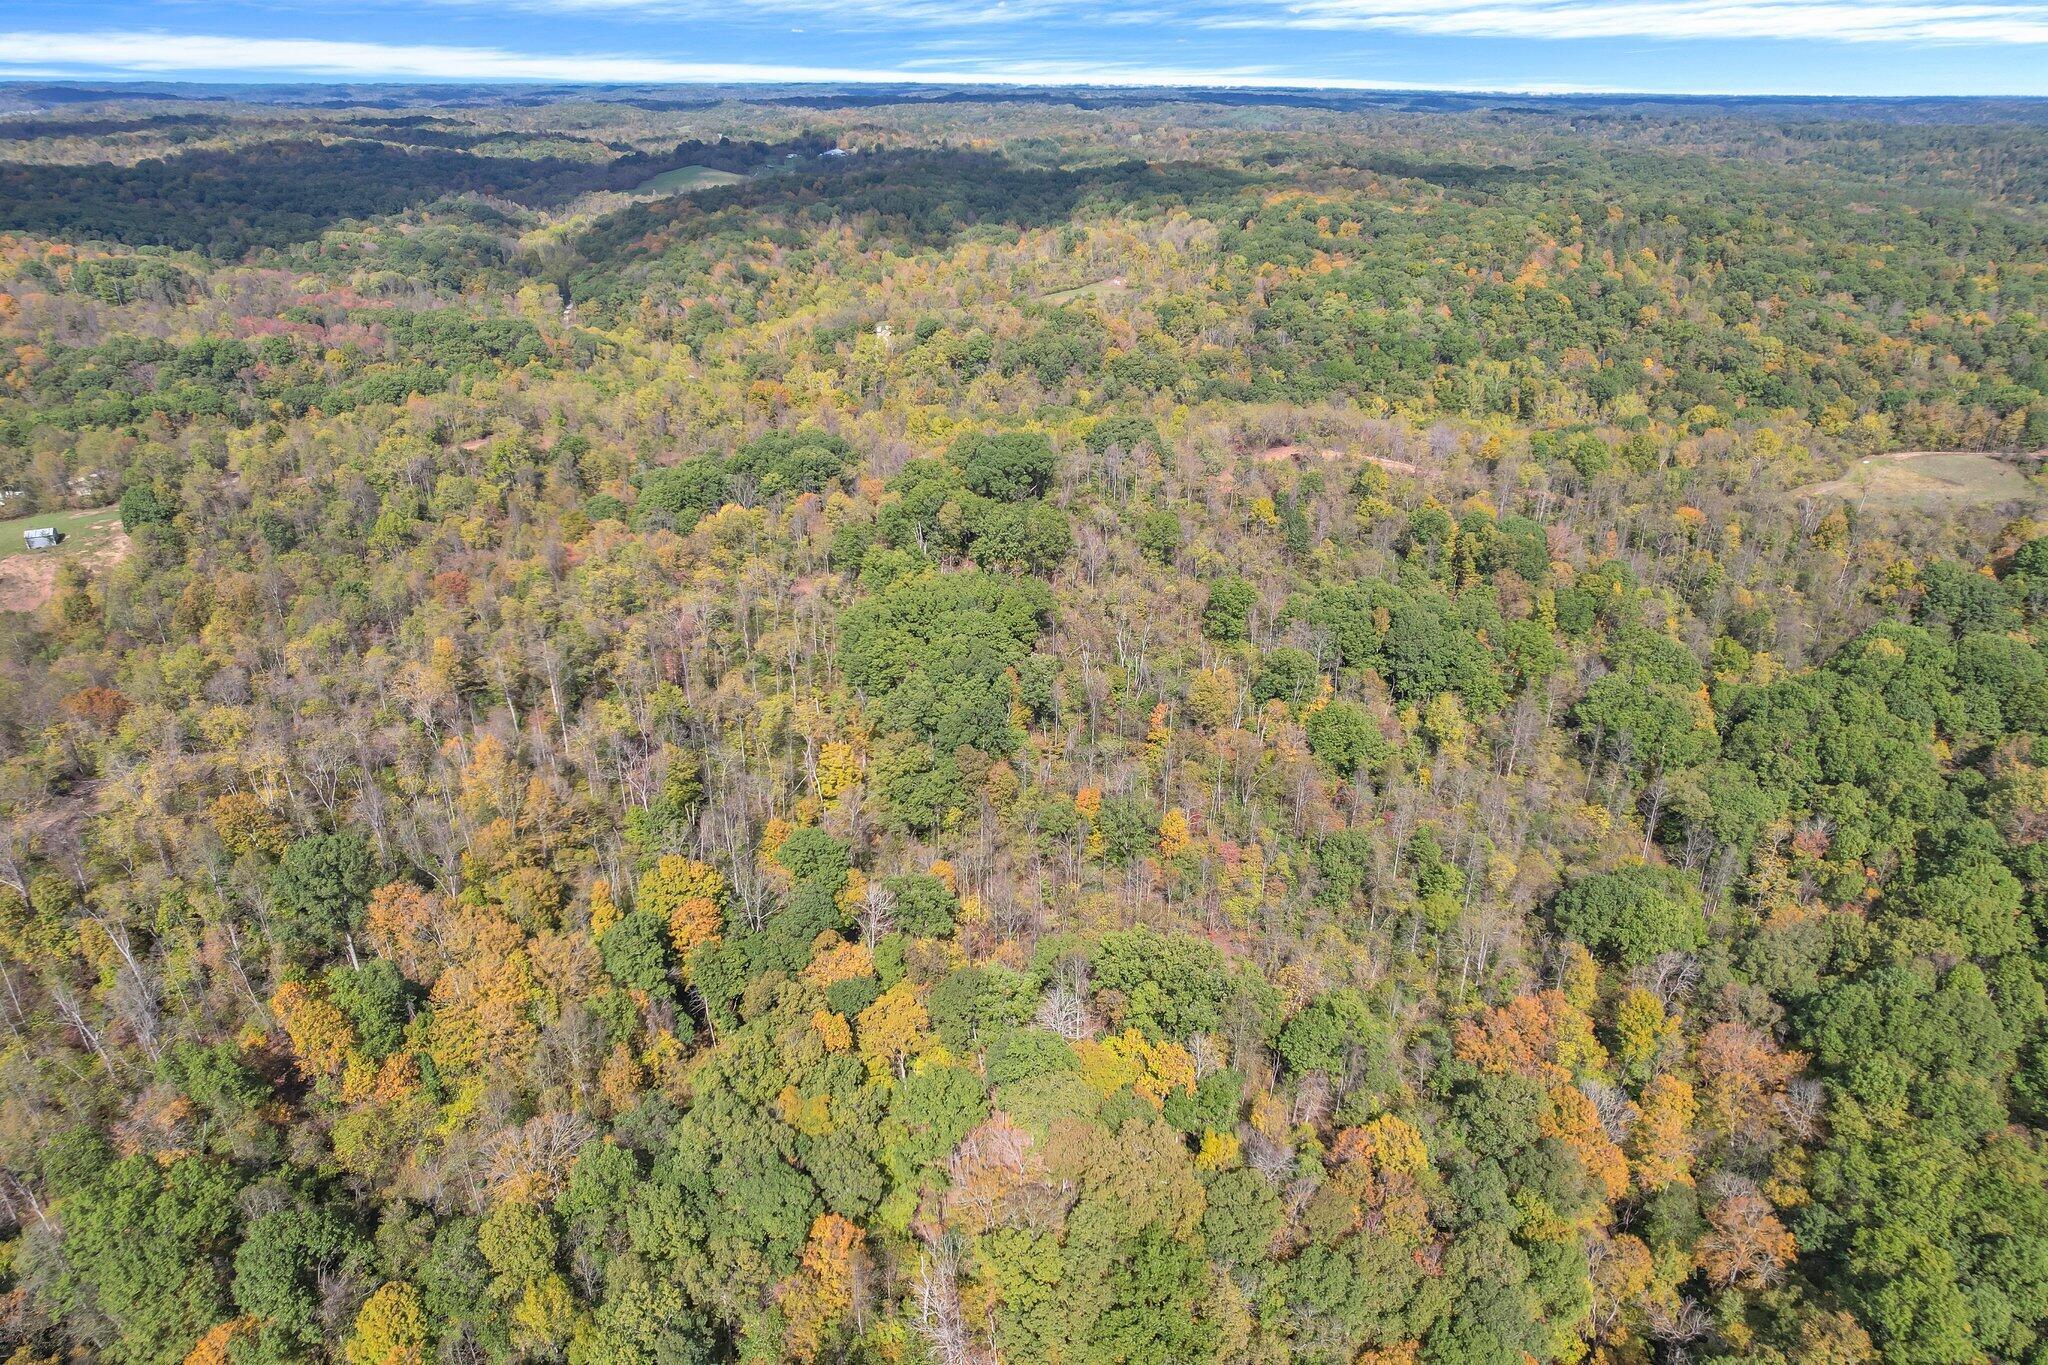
<point x="42" y="537"/>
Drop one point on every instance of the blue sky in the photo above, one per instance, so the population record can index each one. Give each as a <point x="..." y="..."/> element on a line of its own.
<point x="1833" y="47"/>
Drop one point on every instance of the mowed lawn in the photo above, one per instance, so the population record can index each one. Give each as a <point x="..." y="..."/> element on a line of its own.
<point x="683" y="179"/>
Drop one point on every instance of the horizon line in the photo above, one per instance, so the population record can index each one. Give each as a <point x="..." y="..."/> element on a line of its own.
<point x="976" y="81"/>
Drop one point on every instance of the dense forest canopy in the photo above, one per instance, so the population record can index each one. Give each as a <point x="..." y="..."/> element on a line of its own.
<point x="1075" y="728"/>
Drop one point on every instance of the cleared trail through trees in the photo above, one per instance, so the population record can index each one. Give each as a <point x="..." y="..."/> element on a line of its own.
<point x="1275" y="454"/>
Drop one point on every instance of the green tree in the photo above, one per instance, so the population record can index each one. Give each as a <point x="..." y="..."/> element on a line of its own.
<point x="923" y="906"/>
<point x="636" y="953"/>
<point x="1318" y="1038"/>
<point x="1159" y="534"/>
<point x="1286" y="674"/>
<point x="145" y="1246"/>
<point x="1344" y="736"/>
<point x="1008" y="466"/>
<point x="1226" y="614"/>
<point x="374" y="997"/>
<point x="1170" y="986"/>
<point x="319" y="890"/>
<point x="278" y="1270"/>
<point x="1633" y="914"/>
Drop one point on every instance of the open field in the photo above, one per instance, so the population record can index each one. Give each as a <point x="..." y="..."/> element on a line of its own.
<point x="1930" y="480"/>
<point x="28" y="577"/>
<point x="684" y="179"/>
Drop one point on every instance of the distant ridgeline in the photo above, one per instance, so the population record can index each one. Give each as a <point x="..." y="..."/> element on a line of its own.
<point x="226" y="202"/>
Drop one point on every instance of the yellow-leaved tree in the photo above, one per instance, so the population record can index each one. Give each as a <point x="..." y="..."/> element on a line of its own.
<point x="689" y="896"/>
<point x="391" y="1328"/>
<point x="818" y="1297"/>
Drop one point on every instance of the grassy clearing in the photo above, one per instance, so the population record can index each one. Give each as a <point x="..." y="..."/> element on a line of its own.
<point x="684" y="179"/>
<point x="83" y="530"/>
<point x="29" y="577"/>
<point x="1931" y="480"/>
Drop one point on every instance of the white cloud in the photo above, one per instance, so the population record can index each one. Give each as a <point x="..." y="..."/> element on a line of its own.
<point x="1848" y="21"/>
<point x="1851" y="21"/>
<point x="165" y="54"/>
<point x="934" y="13"/>
<point x="146" y="53"/>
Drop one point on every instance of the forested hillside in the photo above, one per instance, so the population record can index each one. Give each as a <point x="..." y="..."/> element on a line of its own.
<point x="1044" y="731"/>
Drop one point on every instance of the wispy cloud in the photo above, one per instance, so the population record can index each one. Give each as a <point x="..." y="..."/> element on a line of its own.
<point x="139" y="53"/>
<point x="914" y="13"/>
<point x="1847" y="21"/>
